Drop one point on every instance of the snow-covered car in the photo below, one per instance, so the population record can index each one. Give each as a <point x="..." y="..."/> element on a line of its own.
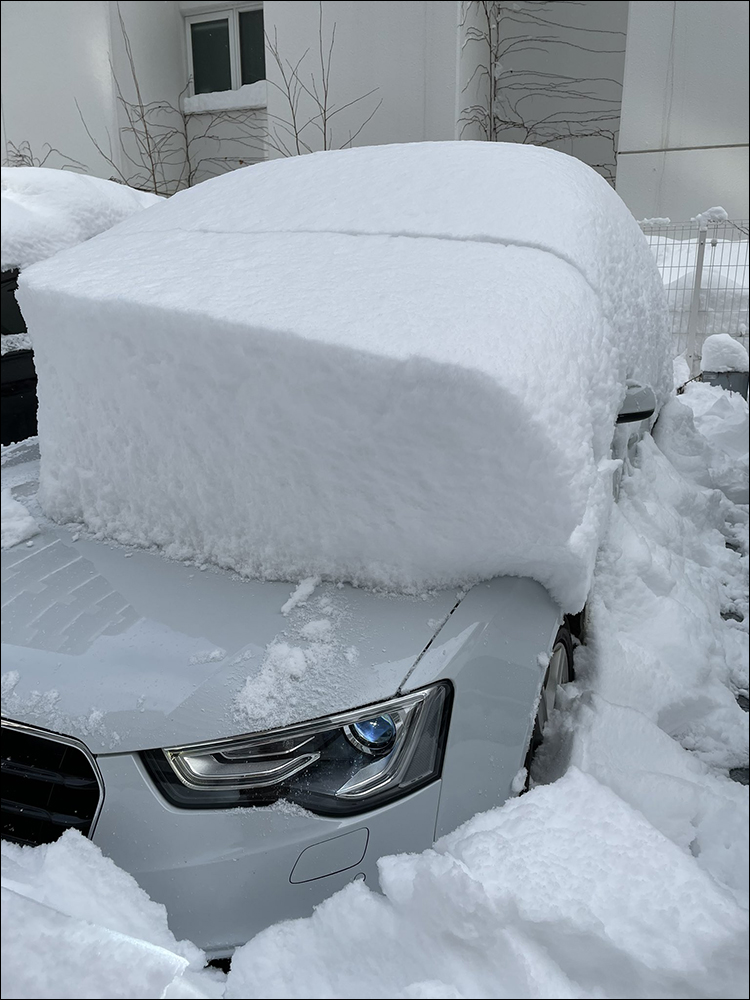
<point x="45" y="211"/>
<point x="404" y="379"/>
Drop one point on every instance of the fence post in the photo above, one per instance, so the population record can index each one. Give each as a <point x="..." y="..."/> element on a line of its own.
<point x="695" y="302"/>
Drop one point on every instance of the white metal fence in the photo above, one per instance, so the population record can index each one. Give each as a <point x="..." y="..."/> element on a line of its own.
<point x="704" y="267"/>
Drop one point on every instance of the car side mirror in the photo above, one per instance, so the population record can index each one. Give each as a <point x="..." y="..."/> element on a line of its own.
<point x="639" y="403"/>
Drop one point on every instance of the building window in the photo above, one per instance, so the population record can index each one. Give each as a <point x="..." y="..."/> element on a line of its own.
<point x="226" y="48"/>
<point x="252" y="46"/>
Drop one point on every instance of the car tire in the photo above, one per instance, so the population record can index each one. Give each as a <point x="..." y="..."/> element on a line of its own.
<point x="559" y="671"/>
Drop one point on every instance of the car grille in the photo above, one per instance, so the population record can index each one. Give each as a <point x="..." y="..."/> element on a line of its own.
<point x="49" y="784"/>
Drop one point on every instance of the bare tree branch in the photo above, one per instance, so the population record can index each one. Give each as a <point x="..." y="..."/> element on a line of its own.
<point x="295" y="131"/>
<point x="530" y="103"/>
<point x="22" y="155"/>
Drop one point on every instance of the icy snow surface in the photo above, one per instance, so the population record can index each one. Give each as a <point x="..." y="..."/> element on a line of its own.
<point x="398" y="366"/>
<point x="251" y="95"/>
<point x="44" y="211"/>
<point x="623" y="873"/>
<point x="722" y="353"/>
<point x="17" y="524"/>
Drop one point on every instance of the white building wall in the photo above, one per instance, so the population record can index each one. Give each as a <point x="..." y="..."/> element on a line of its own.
<point x="684" y="129"/>
<point x="54" y="53"/>
<point x="405" y="51"/>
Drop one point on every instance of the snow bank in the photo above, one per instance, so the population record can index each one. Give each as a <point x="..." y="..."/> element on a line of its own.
<point x="251" y="95"/>
<point x="74" y="925"/>
<point x="566" y="892"/>
<point x="720" y="418"/>
<point x="722" y="353"/>
<point x="45" y="211"/>
<point x="17" y="524"/>
<point x="267" y="378"/>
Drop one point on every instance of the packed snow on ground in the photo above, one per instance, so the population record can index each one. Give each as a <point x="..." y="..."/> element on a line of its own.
<point x="361" y="365"/>
<point x="722" y="353"/>
<point x="45" y="211"/>
<point x="623" y="873"/>
<point x="251" y="95"/>
<point x="17" y="524"/>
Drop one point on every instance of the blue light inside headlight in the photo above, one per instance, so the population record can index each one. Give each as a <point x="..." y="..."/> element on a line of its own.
<point x="375" y="734"/>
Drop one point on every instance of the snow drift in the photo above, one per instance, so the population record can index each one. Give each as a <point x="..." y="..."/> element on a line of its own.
<point x="44" y="211"/>
<point x="398" y="366"/>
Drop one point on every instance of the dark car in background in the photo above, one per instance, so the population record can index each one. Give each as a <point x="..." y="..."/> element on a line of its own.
<point x="19" y="401"/>
<point x="45" y="211"/>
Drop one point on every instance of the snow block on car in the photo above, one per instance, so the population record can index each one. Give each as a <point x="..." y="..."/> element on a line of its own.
<point x="399" y="366"/>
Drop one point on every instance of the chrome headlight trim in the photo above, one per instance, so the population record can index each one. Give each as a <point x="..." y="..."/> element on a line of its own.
<point x="315" y="764"/>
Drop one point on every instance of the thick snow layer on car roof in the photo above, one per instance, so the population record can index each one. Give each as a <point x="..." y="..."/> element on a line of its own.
<point x="44" y="211"/>
<point x="407" y="413"/>
<point x="482" y="191"/>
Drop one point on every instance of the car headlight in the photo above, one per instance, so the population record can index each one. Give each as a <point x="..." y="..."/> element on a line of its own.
<point x="341" y="764"/>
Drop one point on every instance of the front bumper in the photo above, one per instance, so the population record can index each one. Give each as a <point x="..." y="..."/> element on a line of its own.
<point x="226" y="874"/>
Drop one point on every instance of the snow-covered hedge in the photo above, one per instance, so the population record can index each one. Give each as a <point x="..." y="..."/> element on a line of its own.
<point x="44" y="211"/>
<point x="397" y="365"/>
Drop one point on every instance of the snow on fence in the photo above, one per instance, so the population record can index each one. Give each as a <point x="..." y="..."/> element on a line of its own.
<point x="704" y="266"/>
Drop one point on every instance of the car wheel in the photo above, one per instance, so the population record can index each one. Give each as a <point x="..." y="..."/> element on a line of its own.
<point x="559" y="671"/>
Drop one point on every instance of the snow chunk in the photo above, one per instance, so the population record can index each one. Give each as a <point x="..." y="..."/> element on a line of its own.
<point x="416" y="389"/>
<point x="17" y="523"/>
<point x="722" y="353"/>
<point x="208" y="656"/>
<point x="519" y="781"/>
<point x="251" y="95"/>
<point x="301" y="594"/>
<point x="269" y="693"/>
<point x="319" y="629"/>
<point x="44" y="211"/>
<point x="14" y="342"/>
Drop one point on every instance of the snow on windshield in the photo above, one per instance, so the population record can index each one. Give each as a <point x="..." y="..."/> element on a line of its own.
<point x="45" y="211"/>
<point x="293" y="371"/>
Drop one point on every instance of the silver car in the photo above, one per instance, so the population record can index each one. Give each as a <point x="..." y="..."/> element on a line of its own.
<point x="122" y="672"/>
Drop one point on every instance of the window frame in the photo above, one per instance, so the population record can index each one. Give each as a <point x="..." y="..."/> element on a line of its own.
<point x="225" y="12"/>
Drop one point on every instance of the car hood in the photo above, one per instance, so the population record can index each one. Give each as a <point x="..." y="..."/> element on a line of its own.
<point x="126" y="650"/>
